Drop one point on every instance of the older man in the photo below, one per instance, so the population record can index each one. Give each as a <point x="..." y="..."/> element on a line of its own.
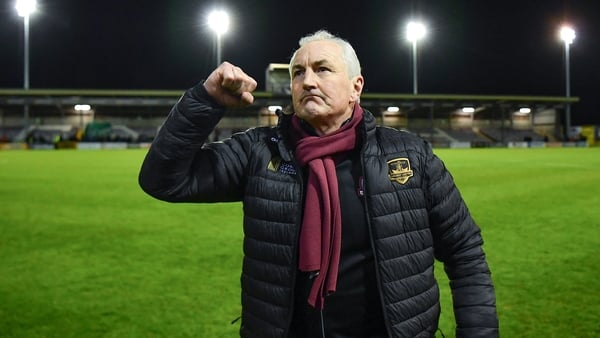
<point x="342" y="219"/>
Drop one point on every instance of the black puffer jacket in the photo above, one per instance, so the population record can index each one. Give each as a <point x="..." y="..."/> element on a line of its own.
<point x="414" y="211"/>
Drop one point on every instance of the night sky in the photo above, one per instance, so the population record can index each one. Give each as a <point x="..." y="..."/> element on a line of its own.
<point x="473" y="47"/>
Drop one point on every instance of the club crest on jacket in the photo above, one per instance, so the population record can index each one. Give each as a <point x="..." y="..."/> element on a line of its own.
<point x="278" y="165"/>
<point x="399" y="170"/>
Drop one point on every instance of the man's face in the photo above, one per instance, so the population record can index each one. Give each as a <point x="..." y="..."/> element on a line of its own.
<point x="322" y="93"/>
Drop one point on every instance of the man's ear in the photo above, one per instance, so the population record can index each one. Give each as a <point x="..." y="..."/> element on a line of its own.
<point x="357" y="86"/>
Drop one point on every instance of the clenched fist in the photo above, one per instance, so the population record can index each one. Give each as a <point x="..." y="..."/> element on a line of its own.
<point x="230" y="86"/>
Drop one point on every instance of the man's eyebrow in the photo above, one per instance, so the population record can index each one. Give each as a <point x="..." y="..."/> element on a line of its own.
<point x="321" y="62"/>
<point x="316" y="63"/>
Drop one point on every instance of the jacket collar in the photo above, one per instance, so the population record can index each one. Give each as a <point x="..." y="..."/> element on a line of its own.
<point x="284" y="124"/>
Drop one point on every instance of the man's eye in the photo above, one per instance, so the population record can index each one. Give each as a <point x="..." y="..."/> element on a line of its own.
<point x="322" y="69"/>
<point x="297" y="72"/>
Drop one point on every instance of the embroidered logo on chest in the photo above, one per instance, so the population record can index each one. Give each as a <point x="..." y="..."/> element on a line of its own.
<point x="277" y="165"/>
<point x="399" y="170"/>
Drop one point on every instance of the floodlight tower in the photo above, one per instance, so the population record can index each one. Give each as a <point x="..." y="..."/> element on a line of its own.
<point x="25" y="8"/>
<point x="415" y="31"/>
<point x="567" y="34"/>
<point x="218" y="21"/>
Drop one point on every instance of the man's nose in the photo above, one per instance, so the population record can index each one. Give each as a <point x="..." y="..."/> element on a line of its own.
<point x="309" y="79"/>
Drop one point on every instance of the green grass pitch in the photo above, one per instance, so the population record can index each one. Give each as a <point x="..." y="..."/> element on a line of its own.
<point x="85" y="253"/>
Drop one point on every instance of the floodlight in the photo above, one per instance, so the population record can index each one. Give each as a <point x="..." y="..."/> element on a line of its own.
<point x="525" y="110"/>
<point x="25" y="7"/>
<point x="567" y="34"/>
<point x="415" y="31"/>
<point x="218" y="21"/>
<point x="82" y="107"/>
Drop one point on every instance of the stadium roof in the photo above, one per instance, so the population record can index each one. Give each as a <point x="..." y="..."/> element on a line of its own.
<point x="153" y="102"/>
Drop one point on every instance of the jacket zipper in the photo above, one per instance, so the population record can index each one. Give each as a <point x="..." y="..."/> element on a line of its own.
<point x="368" y="219"/>
<point x="300" y="179"/>
<point x="300" y="176"/>
<point x="322" y="323"/>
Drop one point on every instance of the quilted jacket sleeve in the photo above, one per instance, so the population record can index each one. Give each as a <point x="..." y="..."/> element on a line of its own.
<point x="458" y="244"/>
<point x="180" y="167"/>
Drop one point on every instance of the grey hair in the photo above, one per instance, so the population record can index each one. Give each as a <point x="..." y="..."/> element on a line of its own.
<point x="348" y="53"/>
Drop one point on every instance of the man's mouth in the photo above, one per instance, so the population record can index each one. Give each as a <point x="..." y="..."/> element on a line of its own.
<point x="311" y="97"/>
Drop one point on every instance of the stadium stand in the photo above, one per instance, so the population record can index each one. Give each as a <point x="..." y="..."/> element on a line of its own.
<point x="129" y="116"/>
<point x="512" y="135"/>
<point x="9" y="133"/>
<point x="465" y="135"/>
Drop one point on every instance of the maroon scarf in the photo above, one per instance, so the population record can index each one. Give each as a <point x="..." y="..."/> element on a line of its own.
<point x="321" y="232"/>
